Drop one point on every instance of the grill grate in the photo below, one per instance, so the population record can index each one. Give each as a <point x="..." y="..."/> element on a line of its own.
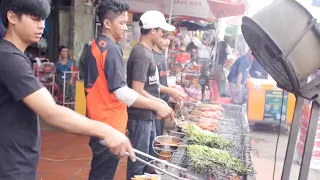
<point x="234" y="128"/>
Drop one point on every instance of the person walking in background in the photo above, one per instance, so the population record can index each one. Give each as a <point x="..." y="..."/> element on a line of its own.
<point x="237" y="77"/>
<point x="107" y="93"/>
<point x="23" y="97"/>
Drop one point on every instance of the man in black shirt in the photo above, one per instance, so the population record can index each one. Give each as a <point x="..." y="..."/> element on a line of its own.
<point x="166" y="92"/>
<point x="143" y="77"/>
<point x="22" y="96"/>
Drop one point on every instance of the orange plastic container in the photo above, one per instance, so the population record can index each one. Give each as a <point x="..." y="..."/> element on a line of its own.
<point x="257" y="99"/>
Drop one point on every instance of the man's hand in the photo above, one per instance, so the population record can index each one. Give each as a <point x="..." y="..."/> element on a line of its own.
<point x="177" y="95"/>
<point x="118" y="143"/>
<point x="163" y="110"/>
<point x="174" y="93"/>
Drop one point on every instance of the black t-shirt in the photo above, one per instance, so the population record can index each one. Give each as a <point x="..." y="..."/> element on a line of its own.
<point x="142" y="67"/>
<point x="19" y="126"/>
<point x="162" y="68"/>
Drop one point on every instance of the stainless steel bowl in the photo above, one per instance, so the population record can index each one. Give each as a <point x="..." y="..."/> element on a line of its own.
<point x="162" y="144"/>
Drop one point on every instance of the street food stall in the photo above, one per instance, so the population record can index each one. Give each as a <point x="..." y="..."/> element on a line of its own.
<point x="206" y="141"/>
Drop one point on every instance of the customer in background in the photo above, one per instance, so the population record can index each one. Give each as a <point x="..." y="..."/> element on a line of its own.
<point x="64" y="67"/>
<point x="237" y="77"/>
<point x="143" y="77"/>
<point x="158" y="51"/>
<point x="107" y="93"/>
<point x="23" y="97"/>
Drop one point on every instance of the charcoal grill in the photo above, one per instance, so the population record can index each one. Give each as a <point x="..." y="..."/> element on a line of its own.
<point x="235" y="128"/>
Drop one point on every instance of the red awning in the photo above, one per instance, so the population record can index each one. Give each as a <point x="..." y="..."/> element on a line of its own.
<point x="226" y="8"/>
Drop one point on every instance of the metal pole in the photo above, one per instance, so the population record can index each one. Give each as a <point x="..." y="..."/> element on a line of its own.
<point x="292" y="139"/>
<point x="53" y="82"/>
<point x="64" y="89"/>
<point x="308" y="145"/>
<point x="171" y="9"/>
<point x="170" y="19"/>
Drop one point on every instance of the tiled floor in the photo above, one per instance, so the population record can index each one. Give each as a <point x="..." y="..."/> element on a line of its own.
<point x="67" y="156"/>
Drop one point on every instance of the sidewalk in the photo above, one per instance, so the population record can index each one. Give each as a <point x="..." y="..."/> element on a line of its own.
<point x="67" y="156"/>
<point x="263" y="145"/>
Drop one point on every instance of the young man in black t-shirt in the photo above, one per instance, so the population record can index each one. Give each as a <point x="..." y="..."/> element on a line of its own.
<point x="143" y="77"/>
<point x="158" y="51"/>
<point x="22" y="96"/>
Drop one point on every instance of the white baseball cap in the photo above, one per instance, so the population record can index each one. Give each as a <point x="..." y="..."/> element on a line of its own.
<point x="155" y="19"/>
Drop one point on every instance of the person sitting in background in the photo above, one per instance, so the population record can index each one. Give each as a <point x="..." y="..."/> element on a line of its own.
<point x="64" y="65"/>
<point x="237" y="77"/>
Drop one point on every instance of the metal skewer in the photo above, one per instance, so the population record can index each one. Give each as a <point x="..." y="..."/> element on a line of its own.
<point x="172" y="145"/>
<point x="159" y="160"/>
<point x="155" y="167"/>
<point x="175" y="132"/>
<point x="153" y="158"/>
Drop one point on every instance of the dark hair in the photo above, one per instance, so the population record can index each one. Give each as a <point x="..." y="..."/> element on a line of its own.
<point x="110" y="9"/>
<point x="145" y="31"/>
<point x="37" y="8"/>
<point x="43" y="53"/>
<point x="191" y="46"/>
<point x="62" y="47"/>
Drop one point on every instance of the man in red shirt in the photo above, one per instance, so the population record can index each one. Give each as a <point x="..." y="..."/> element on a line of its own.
<point x="106" y="89"/>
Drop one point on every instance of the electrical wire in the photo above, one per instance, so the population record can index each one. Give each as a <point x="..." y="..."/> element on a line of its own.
<point x="279" y="129"/>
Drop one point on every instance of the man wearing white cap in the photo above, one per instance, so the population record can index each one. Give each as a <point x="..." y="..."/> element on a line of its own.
<point x="143" y="77"/>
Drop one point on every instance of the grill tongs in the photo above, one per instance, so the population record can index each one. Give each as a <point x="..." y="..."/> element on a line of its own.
<point x="161" y="161"/>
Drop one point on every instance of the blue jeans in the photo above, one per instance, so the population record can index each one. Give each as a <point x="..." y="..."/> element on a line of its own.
<point x="141" y="135"/>
<point x="104" y="164"/>
<point x="160" y="126"/>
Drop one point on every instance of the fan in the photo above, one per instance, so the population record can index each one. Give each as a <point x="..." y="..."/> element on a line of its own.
<point x="197" y="77"/>
<point x="285" y="39"/>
